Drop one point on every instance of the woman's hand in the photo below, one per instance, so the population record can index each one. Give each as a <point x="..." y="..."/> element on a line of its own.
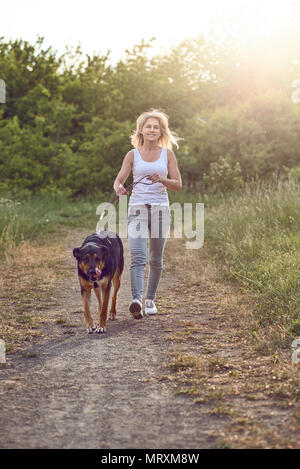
<point x="120" y="190"/>
<point x="156" y="178"/>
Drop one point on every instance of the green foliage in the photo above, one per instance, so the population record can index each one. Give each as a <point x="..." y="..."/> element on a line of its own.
<point x="67" y="122"/>
<point x="224" y="176"/>
<point x="260" y="133"/>
<point x="23" y="67"/>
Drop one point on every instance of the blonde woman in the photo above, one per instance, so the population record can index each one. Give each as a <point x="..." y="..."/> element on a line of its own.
<point x="151" y="161"/>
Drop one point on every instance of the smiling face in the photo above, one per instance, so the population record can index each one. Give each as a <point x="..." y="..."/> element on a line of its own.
<point x="151" y="130"/>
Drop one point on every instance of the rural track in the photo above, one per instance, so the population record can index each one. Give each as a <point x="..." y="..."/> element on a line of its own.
<point x="74" y="390"/>
<point x="183" y="379"/>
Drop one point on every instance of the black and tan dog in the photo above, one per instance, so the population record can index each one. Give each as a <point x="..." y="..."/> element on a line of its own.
<point x="100" y="264"/>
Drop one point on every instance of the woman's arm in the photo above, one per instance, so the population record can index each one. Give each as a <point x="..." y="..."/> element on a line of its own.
<point x="173" y="183"/>
<point x="123" y="174"/>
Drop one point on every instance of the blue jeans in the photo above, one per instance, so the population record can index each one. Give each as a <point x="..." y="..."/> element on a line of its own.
<point x="153" y="223"/>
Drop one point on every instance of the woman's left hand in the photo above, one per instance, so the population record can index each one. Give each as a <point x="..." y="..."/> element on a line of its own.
<point x="156" y="178"/>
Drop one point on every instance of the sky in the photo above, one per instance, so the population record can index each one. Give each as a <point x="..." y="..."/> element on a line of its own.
<point x="116" y="25"/>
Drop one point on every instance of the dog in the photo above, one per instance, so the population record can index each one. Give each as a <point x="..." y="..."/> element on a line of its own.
<point x="100" y="263"/>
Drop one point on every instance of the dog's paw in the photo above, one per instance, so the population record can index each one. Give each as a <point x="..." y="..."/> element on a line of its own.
<point x="100" y="330"/>
<point x="90" y="330"/>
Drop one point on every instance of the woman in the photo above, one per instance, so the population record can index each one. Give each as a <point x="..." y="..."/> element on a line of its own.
<point x="150" y="162"/>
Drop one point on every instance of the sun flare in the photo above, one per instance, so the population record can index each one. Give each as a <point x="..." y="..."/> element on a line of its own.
<point x="118" y="25"/>
<point x="259" y="21"/>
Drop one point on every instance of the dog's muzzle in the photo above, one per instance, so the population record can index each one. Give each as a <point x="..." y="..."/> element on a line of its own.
<point x="95" y="274"/>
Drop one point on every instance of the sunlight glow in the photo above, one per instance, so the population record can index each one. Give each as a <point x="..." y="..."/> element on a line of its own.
<point x="259" y="21"/>
<point x="99" y="25"/>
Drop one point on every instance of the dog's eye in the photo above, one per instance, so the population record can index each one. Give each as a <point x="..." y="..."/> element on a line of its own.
<point x="86" y="259"/>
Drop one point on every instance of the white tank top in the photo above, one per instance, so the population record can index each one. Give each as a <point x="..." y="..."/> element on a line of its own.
<point x="154" y="194"/>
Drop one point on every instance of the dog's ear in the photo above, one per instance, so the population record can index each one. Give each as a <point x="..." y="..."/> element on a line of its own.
<point x="76" y="252"/>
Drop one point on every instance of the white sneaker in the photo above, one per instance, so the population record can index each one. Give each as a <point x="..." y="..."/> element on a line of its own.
<point x="135" y="308"/>
<point x="150" y="307"/>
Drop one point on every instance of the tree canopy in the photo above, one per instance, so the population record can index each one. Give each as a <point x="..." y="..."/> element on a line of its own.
<point x="67" y="120"/>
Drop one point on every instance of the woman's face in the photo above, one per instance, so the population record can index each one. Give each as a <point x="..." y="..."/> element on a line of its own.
<point x="151" y="130"/>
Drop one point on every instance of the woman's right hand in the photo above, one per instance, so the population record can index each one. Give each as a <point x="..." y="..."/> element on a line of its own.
<point x="120" y="190"/>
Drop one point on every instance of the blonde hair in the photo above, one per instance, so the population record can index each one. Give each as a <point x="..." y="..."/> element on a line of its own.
<point x="167" y="138"/>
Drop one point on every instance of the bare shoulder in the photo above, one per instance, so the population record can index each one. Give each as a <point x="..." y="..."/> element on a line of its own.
<point x="129" y="154"/>
<point x="171" y="156"/>
<point x="129" y="157"/>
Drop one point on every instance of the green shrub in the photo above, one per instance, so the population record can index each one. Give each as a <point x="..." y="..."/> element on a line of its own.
<point x="224" y="176"/>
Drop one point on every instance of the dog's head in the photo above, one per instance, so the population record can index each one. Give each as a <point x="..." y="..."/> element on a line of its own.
<point x="91" y="259"/>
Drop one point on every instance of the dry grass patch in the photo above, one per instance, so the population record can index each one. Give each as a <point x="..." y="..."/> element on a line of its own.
<point x="27" y="274"/>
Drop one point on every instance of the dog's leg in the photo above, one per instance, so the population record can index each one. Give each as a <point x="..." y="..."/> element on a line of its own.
<point x="116" y="283"/>
<point x="86" y="299"/>
<point x="103" y="313"/>
<point x="98" y="296"/>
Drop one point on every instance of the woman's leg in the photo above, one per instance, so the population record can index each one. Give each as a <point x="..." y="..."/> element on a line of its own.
<point x="138" y="238"/>
<point x="156" y="266"/>
<point x="160" y="226"/>
<point x="138" y="248"/>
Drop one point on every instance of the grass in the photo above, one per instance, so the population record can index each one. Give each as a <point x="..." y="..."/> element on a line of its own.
<point x="242" y="288"/>
<point x="40" y="216"/>
<point x="255" y="236"/>
<point x="27" y="277"/>
<point x="223" y="373"/>
<point x="181" y="361"/>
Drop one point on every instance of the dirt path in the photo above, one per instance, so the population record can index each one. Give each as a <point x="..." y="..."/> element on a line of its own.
<point x="73" y="390"/>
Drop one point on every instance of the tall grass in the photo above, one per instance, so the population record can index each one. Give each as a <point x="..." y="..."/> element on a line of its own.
<point x="255" y="235"/>
<point x="38" y="216"/>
